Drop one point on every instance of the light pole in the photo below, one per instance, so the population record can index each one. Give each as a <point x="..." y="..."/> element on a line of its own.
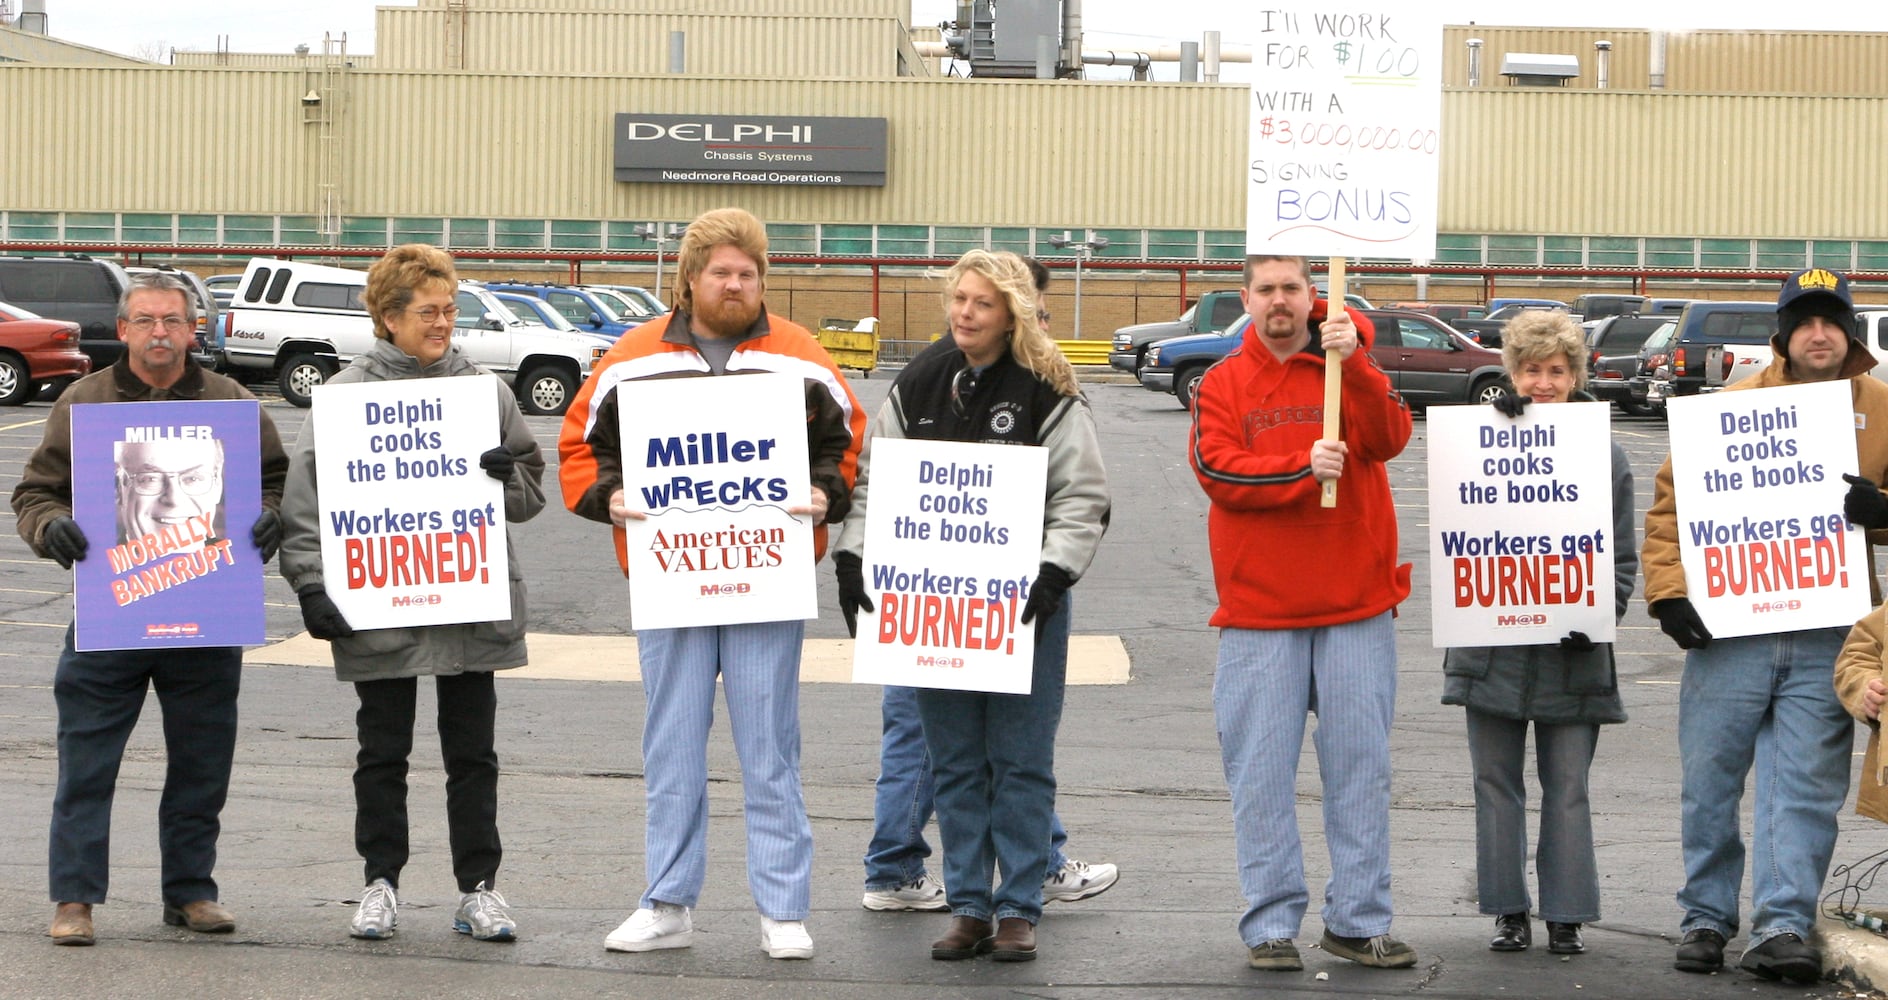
<point x="1084" y="248"/>
<point x="653" y="231"/>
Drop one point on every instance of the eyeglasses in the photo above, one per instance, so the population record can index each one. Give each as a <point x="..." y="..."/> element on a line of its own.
<point x="432" y="314"/>
<point x="145" y="324"/>
<point x="963" y="385"/>
<point x="195" y="482"/>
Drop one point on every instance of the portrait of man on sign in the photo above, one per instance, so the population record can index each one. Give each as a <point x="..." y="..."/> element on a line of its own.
<point x="169" y="486"/>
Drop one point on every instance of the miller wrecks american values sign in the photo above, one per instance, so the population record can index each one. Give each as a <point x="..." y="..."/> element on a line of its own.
<point x="760" y="149"/>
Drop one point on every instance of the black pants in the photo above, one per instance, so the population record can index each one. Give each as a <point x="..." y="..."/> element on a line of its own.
<point x="467" y="708"/>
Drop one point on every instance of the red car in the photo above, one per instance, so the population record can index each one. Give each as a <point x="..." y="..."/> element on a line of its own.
<point x="35" y="351"/>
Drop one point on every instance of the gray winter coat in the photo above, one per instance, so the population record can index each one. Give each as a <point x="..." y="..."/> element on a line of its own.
<point x="381" y="654"/>
<point x="1546" y="683"/>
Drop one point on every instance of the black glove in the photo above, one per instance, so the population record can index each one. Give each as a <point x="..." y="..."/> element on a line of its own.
<point x="850" y="572"/>
<point x="1045" y="595"/>
<point x="1512" y="404"/>
<point x="1865" y="506"/>
<point x="1678" y="619"/>
<point x="1576" y="642"/>
<point x="63" y="540"/>
<point x="497" y="463"/>
<point x="323" y="619"/>
<point x="267" y="534"/>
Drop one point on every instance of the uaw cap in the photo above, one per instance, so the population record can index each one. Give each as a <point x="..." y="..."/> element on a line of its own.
<point x="1815" y="281"/>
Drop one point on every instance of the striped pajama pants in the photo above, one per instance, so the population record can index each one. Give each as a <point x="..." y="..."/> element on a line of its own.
<point x="759" y="667"/>
<point x="1265" y="683"/>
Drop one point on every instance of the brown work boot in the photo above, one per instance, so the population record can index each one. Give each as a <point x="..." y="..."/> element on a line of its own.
<point x="205" y="916"/>
<point x="72" y="924"/>
<point x="1015" y="941"/>
<point x="969" y="937"/>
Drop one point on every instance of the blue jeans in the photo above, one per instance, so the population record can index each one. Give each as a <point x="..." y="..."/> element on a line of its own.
<point x="99" y="696"/>
<point x="903" y="804"/>
<point x="1771" y="699"/>
<point x="993" y="756"/>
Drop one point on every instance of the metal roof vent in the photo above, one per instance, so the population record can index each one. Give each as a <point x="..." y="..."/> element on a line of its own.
<point x="33" y="17"/>
<point x="1534" y="69"/>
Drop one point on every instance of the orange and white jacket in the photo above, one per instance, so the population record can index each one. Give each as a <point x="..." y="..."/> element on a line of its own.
<point x="590" y="465"/>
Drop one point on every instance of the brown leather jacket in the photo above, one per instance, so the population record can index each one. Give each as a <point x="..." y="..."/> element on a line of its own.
<point x="44" y="492"/>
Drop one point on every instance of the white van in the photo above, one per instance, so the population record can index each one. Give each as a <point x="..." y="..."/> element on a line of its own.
<point x="304" y="321"/>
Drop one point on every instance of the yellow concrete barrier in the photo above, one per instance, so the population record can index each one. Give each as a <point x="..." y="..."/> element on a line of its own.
<point x="1085" y="352"/>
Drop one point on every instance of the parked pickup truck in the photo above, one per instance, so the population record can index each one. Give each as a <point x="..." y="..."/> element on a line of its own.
<point x="1613" y="346"/>
<point x="1487" y="330"/>
<point x="1743" y="327"/>
<point x="1726" y="364"/>
<point x="1213" y="313"/>
<point x="304" y="321"/>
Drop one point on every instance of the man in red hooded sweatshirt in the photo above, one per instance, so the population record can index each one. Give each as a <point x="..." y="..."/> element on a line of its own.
<point x="1306" y="596"/>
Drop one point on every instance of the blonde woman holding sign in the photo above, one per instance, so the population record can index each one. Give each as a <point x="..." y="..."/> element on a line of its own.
<point x="1567" y="690"/>
<point x="997" y="379"/>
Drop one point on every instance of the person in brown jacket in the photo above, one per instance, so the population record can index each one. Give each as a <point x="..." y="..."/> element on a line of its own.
<point x="99" y="694"/>
<point x="1766" y="700"/>
<point x="1861" y="678"/>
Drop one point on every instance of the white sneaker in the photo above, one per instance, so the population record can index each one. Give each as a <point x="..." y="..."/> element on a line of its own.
<point x="379" y="912"/>
<point x="1078" y="880"/>
<point x="785" y="938"/>
<point x="926" y="893"/>
<point x="666" y="925"/>
<point x="485" y="915"/>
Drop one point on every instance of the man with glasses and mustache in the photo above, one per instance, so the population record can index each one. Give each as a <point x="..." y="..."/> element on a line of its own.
<point x="719" y="328"/>
<point x="99" y="694"/>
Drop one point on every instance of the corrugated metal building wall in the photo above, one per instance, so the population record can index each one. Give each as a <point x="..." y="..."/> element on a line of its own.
<point x="962" y="152"/>
<point x="1528" y="160"/>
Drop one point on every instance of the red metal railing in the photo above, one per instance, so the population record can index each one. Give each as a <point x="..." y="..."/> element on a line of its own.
<point x="1637" y="278"/>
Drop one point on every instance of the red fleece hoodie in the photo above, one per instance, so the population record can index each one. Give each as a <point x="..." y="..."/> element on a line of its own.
<point x="1280" y="560"/>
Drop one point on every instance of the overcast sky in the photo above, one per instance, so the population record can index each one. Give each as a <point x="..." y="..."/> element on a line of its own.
<point x="147" y="28"/>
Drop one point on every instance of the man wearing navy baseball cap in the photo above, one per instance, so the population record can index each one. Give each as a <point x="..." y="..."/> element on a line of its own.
<point x="1768" y="698"/>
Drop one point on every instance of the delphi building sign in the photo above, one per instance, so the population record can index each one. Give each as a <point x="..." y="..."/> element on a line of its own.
<point x="742" y="149"/>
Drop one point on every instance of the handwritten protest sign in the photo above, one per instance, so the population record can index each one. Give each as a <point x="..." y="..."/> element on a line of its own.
<point x="715" y="463"/>
<point x="1520" y="524"/>
<point x="412" y="530"/>
<point x="953" y="540"/>
<point x="166" y="493"/>
<point x="1346" y="115"/>
<point x="1758" y="479"/>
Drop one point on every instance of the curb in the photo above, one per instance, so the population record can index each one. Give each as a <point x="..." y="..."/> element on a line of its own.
<point x="1852" y="956"/>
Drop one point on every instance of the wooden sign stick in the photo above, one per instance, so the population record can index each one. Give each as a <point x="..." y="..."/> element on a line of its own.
<point x="1333" y="371"/>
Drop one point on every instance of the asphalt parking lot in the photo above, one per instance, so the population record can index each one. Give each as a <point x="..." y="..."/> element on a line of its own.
<point x="1138" y="764"/>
